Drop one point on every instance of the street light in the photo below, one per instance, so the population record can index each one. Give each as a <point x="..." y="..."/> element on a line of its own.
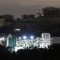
<point x="2" y="39"/>
<point x="31" y="37"/>
<point x="17" y="29"/>
<point x="24" y="37"/>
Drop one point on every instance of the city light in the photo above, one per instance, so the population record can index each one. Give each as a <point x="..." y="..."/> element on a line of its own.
<point x="2" y="39"/>
<point x="30" y="43"/>
<point x="17" y="29"/>
<point x="17" y="48"/>
<point x="24" y="37"/>
<point x="42" y="15"/>
<point x="31" y="37"/>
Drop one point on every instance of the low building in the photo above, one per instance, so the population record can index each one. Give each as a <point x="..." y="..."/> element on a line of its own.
<point x="40" y="42"/>
<point x="51" y="12"/>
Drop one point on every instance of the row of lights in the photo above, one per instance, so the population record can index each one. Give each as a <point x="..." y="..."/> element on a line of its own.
<point x="25" y="37"/>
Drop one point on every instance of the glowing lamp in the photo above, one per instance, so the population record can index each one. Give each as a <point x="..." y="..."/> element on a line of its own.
<point x="24" y="37"/>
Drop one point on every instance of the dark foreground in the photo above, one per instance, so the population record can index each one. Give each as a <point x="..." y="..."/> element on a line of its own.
<point x="41" y="54"/>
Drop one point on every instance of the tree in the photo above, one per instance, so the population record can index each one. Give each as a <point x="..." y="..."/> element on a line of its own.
<point x="8" y="18"/>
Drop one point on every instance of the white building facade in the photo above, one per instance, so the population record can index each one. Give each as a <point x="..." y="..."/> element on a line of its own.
<point x="40" y="42"/>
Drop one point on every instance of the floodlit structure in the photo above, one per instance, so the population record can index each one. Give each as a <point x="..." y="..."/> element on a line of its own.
<point x="45" y="40"/>
<point x="2" y="40"/>
<point x="24" y="43"/>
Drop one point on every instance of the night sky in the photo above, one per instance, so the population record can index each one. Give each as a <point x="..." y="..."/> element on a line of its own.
<point x="19" y="7"/>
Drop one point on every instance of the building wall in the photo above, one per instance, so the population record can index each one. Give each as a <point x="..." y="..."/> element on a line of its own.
<point x="51" y="11"/>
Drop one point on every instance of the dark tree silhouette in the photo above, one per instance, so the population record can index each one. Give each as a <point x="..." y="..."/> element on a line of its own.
<point x="8" y="18"/>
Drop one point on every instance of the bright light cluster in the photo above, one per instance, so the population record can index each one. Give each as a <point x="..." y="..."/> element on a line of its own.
<point x="32" y="37"/>
<point x="24" y="37"/>
<point x="40" y="42"/>
<point x="2" y="39"/>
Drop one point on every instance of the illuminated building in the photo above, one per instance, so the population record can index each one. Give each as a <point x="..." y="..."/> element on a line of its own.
<point x="2" y="41"/>
<point x="24" y="43"/>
